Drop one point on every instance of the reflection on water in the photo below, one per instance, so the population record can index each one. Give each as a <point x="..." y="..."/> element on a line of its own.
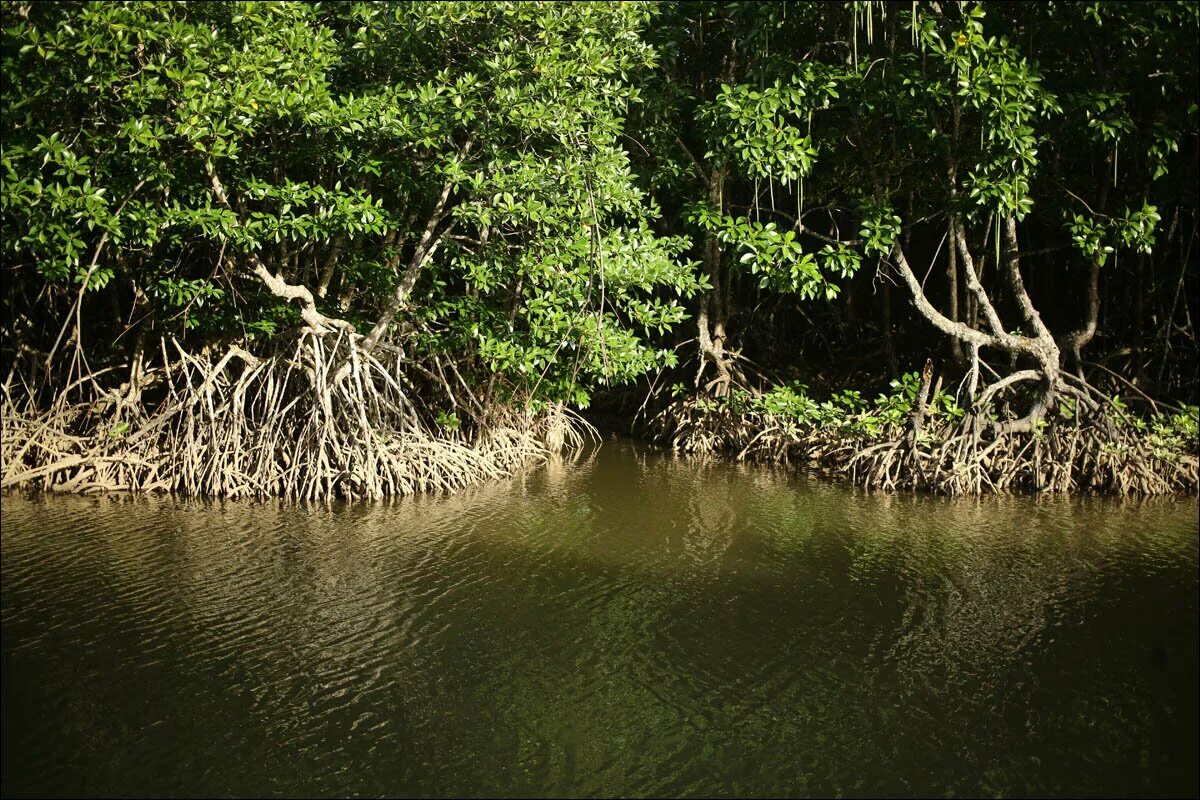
<point x="626" y="624"/>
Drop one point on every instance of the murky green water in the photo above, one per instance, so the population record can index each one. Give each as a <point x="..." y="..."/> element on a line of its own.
<point x="627" y="625"/>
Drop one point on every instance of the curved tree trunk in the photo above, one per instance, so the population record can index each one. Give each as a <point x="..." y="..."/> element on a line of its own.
<point x="1041" y="346"/>
<point x="1037" y="345"/>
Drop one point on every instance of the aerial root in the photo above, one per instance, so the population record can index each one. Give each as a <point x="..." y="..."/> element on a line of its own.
<point x="319" y="421"/>
<point x="964" y="457"/>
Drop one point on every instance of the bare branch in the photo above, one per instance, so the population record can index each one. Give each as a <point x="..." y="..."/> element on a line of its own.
<point x="1012" y="265"/>
<point x="426" y="247"/>
<point x="940" y="321"/>
<point x="695" y="161"/>
<point x="318" y="322"/>
<point x="1017" y="377"/>
<point x="973" y="284"/>
<point x="1076" y="340"/>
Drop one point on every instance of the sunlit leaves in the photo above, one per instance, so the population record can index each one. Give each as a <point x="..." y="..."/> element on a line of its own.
<point x="880" y="227"/>
<point x="1098" y="238"/>
<point x="763" y="129"/>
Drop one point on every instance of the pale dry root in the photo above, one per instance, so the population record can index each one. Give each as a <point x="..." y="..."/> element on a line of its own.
<point x="324" y="420"/>
<point x="700" y="426"/>
<point x="967" y="457"/>
<point x="1065" y="457"/>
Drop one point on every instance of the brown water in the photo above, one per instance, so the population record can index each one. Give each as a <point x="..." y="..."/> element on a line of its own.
<point x="627" y="625"/>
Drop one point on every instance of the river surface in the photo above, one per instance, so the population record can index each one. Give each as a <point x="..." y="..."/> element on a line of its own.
<point x="630" y="624"/>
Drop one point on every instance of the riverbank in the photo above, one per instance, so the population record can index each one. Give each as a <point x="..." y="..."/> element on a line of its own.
<point x="324" y="420"/>
<point x="911" y="439"/>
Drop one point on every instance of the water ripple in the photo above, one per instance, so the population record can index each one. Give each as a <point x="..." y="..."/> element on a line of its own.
<point x="631" y="624"/>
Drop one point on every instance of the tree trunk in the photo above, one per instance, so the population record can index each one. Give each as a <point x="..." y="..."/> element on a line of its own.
<point x="1038" y="345"/>
<point x="889" y="347"/>
<point x="956" y="351"/>
<point x="1139" y="376"/>
<point x="917" y="421"/>
<point x="1041" y="345"/>
<point x="1072" y="343"/>
<point x="714" y="313"/>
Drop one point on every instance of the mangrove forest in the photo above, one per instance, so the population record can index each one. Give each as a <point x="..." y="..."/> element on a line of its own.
<point x="355" y="250"/>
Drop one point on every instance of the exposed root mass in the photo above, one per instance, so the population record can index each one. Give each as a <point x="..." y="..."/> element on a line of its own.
<point x="964" y="456"/>
<point x="324" y="420"/>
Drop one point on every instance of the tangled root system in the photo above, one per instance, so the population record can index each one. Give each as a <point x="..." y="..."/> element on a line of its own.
<point x="967" y="456"/>
<point x="321" y="421"/>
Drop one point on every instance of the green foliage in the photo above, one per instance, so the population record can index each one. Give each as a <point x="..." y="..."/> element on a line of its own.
<point x="791" y="406"/>
<point x="776" y="257"/>
<point x="1097" y="239"/>
<point x="1172" y="435"/>
<point x="760" y="129"/>
<point x="990" y="77"/>
<point x="449" y="422"/>
<point x="880" y="227"/>
<point x="535" y="167"/>
<point x="342" y="134"/>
